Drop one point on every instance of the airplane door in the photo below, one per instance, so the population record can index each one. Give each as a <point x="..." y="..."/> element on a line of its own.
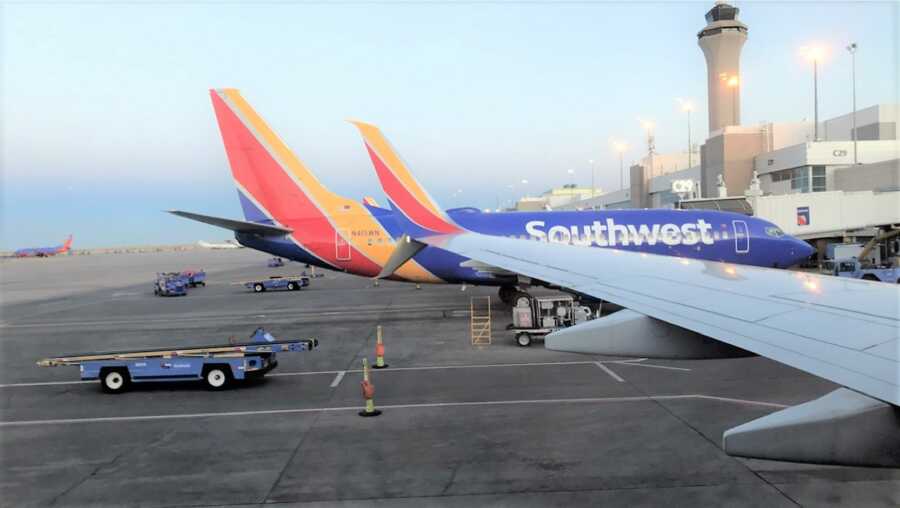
<point x="341" y="245"/>
<point x="741" y="237"/>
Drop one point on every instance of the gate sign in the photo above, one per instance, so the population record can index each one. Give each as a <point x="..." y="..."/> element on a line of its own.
<point x="803" y="216"/>
<point x="682" y="186"/>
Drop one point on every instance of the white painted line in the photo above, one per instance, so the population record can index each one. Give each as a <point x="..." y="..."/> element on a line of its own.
<point x="609" y="371"/>
<point x="437" y="367"/>
<point x="392" y="369"/>
<point x="182" y="416"/>
<point x="313" y="373"/>
<point x="338" y="378"/>
<point x="739" y="401"/>
<point x="650" y="365"/>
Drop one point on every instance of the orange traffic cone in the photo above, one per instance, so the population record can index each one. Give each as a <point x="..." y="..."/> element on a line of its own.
<point x="379" y="351"/>
<point x="368" y="391"/>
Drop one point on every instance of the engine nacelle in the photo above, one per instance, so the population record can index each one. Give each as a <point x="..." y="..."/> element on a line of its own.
<point x="629" y="333"/>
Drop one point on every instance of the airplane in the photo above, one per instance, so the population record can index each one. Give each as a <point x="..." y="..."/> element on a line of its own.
<point x="681" y="306"/>
<point x="711" y="235"/>
<point x="290" y="214"/>
<point x="227" y="244"/>
<point x="42" y="252"/>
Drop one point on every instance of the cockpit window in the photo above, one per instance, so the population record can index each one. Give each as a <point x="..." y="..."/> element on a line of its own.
<point x="773" y="231"/>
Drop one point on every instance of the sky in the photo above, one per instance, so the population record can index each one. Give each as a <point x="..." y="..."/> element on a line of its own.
<point x="106" y="121"/>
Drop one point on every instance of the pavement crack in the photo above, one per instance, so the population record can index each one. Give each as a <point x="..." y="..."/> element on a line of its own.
<point x="87" y="477"/>
<point x="452" y="479"/>
<point x="110" y="463"/>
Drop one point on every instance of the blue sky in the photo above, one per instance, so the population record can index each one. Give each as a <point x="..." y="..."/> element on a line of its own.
<point x="106" y="118"/>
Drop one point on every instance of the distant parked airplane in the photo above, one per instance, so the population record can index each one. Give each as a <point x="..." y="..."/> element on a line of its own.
<point x="227" y="244"/>
<point x="42" y="252"/>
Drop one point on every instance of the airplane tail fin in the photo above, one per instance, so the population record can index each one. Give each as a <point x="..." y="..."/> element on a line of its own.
<point x="273" y="184"/>
<point x="405" y="193"/>
<point x="277" y="190"/>
<point x="67" y="245"/>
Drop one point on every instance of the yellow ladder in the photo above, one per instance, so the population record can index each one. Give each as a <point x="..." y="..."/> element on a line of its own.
<point x="480" y="320"/>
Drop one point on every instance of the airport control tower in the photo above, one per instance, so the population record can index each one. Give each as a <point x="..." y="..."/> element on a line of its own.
<point x="721" y="41"/>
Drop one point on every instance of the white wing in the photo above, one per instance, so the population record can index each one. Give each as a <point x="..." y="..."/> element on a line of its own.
<point x="840" y="329"/>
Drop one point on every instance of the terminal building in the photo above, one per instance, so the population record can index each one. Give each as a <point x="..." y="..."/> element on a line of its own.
<point x="835" y="182"/>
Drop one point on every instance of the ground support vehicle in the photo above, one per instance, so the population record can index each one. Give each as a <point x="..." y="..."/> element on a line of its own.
<point x="853" y="269"/>
<point x="168" y="284"/>
<point x="536" y="317"/>
<point x="293" y="283"/>
<point x="195" y="277"/>
<point x="275" y="262"/>
<point x="217" y="365"/>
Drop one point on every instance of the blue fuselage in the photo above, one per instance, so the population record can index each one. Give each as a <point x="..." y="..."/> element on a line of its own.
<point x="698" y="234"/>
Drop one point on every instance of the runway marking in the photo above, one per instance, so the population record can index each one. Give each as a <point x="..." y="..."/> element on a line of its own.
<point x="437" y="367"/>
<point x="609" y="371"/>
<point x="356" y="371"/>
<point x="337" y="378"/>
<point x="634" y="363"/>
<point x="182" y="416"/>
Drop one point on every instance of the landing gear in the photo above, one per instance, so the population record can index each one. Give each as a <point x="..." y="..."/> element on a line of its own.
<point x="513" y="296"/>
<point x="506" y="293"/>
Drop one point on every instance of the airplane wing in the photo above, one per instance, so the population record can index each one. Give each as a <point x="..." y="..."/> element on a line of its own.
<point x="238" y="226"/>
<point x="843" y="330"/>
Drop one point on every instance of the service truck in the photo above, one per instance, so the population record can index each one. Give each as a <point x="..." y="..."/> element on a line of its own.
<point x="217" y="365"/>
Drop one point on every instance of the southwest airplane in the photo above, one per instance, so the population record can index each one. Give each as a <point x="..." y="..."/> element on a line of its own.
<point x="42" y="252"/>
<point x="290" y="214"/>
<point x="846" y="331"/>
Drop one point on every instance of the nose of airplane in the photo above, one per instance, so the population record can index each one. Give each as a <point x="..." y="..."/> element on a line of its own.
<point x="801" y="249"/>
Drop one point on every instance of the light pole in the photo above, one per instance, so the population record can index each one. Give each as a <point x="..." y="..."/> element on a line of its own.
<point x="593" y="178"/>
<point x="651" y="146"/>
<point x="620" y="148"/>
<point x="816" y="100"/>
<point x="852" y="49"/>
<point x="814" y="54"/>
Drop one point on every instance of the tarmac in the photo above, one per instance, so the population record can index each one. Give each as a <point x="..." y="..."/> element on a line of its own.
<point x="462" y="425"/>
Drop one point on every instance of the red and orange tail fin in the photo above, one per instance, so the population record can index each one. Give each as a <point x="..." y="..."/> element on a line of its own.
<point x="268" y="174"/>
<point x="401" y="187"/>
<point x="275" y="186"/>
<point x="67" y="245"/>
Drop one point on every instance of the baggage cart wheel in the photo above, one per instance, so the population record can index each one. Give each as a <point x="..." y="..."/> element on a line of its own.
<point x="114" y="380"/>
<point x="217" y="377"/>
<point x="523" y="339"/>
<point x="292" y="286"/>
<point x="258" y="288"/>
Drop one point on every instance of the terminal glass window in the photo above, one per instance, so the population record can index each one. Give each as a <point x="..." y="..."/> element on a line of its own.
<point x="800" y="179"/>
<point x="818" y="179"/>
